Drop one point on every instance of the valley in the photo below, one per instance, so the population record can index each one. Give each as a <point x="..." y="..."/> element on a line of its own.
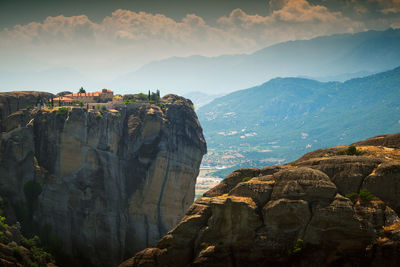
<point x="200" y="133"/>
<point x="280" y="120"/>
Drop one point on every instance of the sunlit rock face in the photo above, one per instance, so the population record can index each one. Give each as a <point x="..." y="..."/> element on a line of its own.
<point x="111" y="184"/>
<point x="328" y="208"/>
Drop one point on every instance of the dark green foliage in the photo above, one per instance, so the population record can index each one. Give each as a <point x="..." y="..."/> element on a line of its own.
<point x="293" y="163"/>
<point x="39" y="257"/>
<point x="81" y="90"/>
<point x="103" y="108"/>
<point x="29" y="108"/>
<point x="3" y="226"/>
<point x="246" y="179"/>
<point x="352" y="196"/>
<point x="99" y="116"/>
<point x="351" y="151"/>
<point x="150" y="97"/>
<point x="298" y="246"/>
<point x="3" y="223"/>
<point x="142" y="96"/>
<point x="155" y="97"/>
<point x="163" y="107"/>
<point x="364" y="196"/>
<point x="62" y="111"/>
<point x="128" y="99"/>
<point x="3" y="237"/>
<point x="28" y="243"/>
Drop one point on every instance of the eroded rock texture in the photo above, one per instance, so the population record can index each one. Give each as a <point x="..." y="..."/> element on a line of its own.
<point x="111" y="184"/>
<point x="300" y="214"/>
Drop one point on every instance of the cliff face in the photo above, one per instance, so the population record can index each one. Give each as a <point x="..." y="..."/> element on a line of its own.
<point x="332" y="207"/>
<point x="111" y="184"/>
<point x="11" y="102"/>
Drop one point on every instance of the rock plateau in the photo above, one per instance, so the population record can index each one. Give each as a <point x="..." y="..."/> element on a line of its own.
<point x="108" y="184"/>
<point x="328" y="208"/>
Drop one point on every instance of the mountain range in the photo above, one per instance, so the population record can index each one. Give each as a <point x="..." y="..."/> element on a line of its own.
<point x="286" y="117"/>
<point x="327" y="58"/>
<point x="335" y="56"/>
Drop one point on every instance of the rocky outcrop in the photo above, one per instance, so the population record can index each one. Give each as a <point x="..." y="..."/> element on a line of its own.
<point x="317" y="211"/>
<point x="111" y="184"/>
<point x="388" y="140"/>
<point x="11" y="102"/>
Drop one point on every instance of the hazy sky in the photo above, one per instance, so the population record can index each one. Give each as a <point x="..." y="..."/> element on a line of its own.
<point x="104" y="39"/>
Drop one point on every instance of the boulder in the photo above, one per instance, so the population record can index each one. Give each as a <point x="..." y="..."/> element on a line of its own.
<point x="384" y="183"/>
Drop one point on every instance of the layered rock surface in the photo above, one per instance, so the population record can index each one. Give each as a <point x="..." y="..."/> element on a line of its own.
<point x="111" y="184"/>
<point x="316" y="211"/>
<point x="11" y="102"/>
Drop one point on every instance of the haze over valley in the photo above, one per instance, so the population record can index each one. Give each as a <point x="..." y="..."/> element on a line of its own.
<point x="141" y="133"/>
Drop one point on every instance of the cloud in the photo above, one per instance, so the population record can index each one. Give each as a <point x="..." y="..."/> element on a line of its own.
<point x="53" y="29"/>
<point x="237" y="32"/>
<point x="290" y="19"/>
<point x="125" y="25"/>
<point x="302" y="11"/>
<point x="125" y="40"/>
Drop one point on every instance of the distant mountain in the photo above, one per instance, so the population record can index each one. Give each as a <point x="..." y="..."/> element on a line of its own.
<point x="286" y="117"/>
<point x="341" y="77"/>
<point x="200" y="99"/>
<point x="365" y="52"/>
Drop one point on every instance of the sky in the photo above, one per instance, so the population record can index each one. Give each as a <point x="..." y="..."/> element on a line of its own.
<point x="103" y="39"/>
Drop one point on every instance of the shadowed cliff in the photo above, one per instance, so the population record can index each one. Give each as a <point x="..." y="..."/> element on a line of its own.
<point x="331" y="207"/>
<point x="110" y="184"/>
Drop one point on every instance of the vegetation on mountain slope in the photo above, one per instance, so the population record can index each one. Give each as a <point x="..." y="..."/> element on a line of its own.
<point x="286" y="117"/>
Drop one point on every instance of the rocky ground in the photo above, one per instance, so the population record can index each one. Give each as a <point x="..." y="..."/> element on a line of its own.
<point x="331" y="207"/>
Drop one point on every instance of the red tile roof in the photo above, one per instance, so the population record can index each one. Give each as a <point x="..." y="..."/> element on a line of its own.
<point x="65" y="99"/>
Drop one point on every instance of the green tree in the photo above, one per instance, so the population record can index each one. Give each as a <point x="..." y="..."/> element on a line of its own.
<point x="81" y="90"/>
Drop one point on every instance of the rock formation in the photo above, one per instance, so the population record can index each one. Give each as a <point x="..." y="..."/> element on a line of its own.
<point x="11" y="102"/>
<point x="329" y="208"/>
<point x="110" y="183"/>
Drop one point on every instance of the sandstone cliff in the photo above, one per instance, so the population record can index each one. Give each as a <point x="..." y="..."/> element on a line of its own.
<point x="332" y="207"/>
<point x="110" y="184"/>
